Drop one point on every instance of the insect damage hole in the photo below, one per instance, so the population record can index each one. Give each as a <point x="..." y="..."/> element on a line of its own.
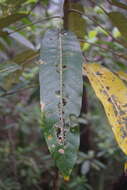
<point x="64" y="101"/>
<point x="64" y="67"/>
<point x="60" y="134"/>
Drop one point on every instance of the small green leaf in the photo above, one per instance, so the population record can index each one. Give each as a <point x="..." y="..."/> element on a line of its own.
<point x="20" y="38"/>
<point x="86" y="46"/>
<point x="120" y="21"/>
<point x="92" y="34"/>
<point x="116" y="33"/>
<point x="12" y="70"/>
<point x="26" y="58"/>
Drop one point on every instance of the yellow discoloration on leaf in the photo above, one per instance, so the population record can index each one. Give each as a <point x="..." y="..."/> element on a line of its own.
<point x="66" y="178"/>
<point x="49" y="137"/>
<point x="122" y="75"/>
<point x="125" y="167"/>
<point x="112" y="93"/>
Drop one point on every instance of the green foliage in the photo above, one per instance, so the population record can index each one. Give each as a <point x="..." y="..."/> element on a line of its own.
<point x="25" y="162"/>
<point x="60" y="73"/>
<point x="6" y="21"/>
<point x="73" y="20"/>
<point x="120" y="21"/>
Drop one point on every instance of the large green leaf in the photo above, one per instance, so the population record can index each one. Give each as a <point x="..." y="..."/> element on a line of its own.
<point x="61" y="94"/>
<point x="120" y="21"/>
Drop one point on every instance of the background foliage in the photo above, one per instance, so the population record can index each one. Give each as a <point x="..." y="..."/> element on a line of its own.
<point x="25" y="161"/>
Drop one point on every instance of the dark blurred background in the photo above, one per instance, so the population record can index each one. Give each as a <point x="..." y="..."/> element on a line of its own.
<point x="25" y="161"/>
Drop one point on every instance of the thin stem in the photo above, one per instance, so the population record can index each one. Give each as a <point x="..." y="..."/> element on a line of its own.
<point x="19" y="90"/>
<point x="56" y="182"/>
<point x="61" y="87"/>
<point x="95" y="22"/>
<point x="76" y="11"/>
<point x="36" y="22"/>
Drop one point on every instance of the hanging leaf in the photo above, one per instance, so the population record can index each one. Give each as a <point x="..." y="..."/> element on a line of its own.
<point x="12" y="70"/>
<point x="61" y="94"/>
<point x="26" y="58"/>
<point x="20" y="38"/>
<point x="7" y="70"/>
<point x="112" y="93"/>
<point x="20" y="61"/>
<point x="120" y="21"/>
<point x="73" y="20"/>
<point x="6" y="21"/>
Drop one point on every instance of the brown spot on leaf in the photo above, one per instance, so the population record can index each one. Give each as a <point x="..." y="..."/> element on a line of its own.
<point x="121" y="112"/>
<point x="123" y="132"/>
<point x="64" y="101"/>
<point x="107" y="87"/>
<point x="98" y="73"/>
<point x="109" y="100"/>
<point x="64" y="66"/>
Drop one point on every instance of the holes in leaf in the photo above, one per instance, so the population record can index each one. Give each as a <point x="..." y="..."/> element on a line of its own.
<point x="109" y="100"/>
<point x="60" y="135"/>
<point x="64" y="67"/>
<point x="58" y="131"/>
<point x="64" y="101"/>
<point x="107" y="87"/>
<point x="98" y="73"/>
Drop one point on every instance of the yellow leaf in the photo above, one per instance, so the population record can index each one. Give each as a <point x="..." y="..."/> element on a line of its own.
<point x="112" y="93"/>
<point x="122" y="75"/>
<point x="125" y="167"/>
